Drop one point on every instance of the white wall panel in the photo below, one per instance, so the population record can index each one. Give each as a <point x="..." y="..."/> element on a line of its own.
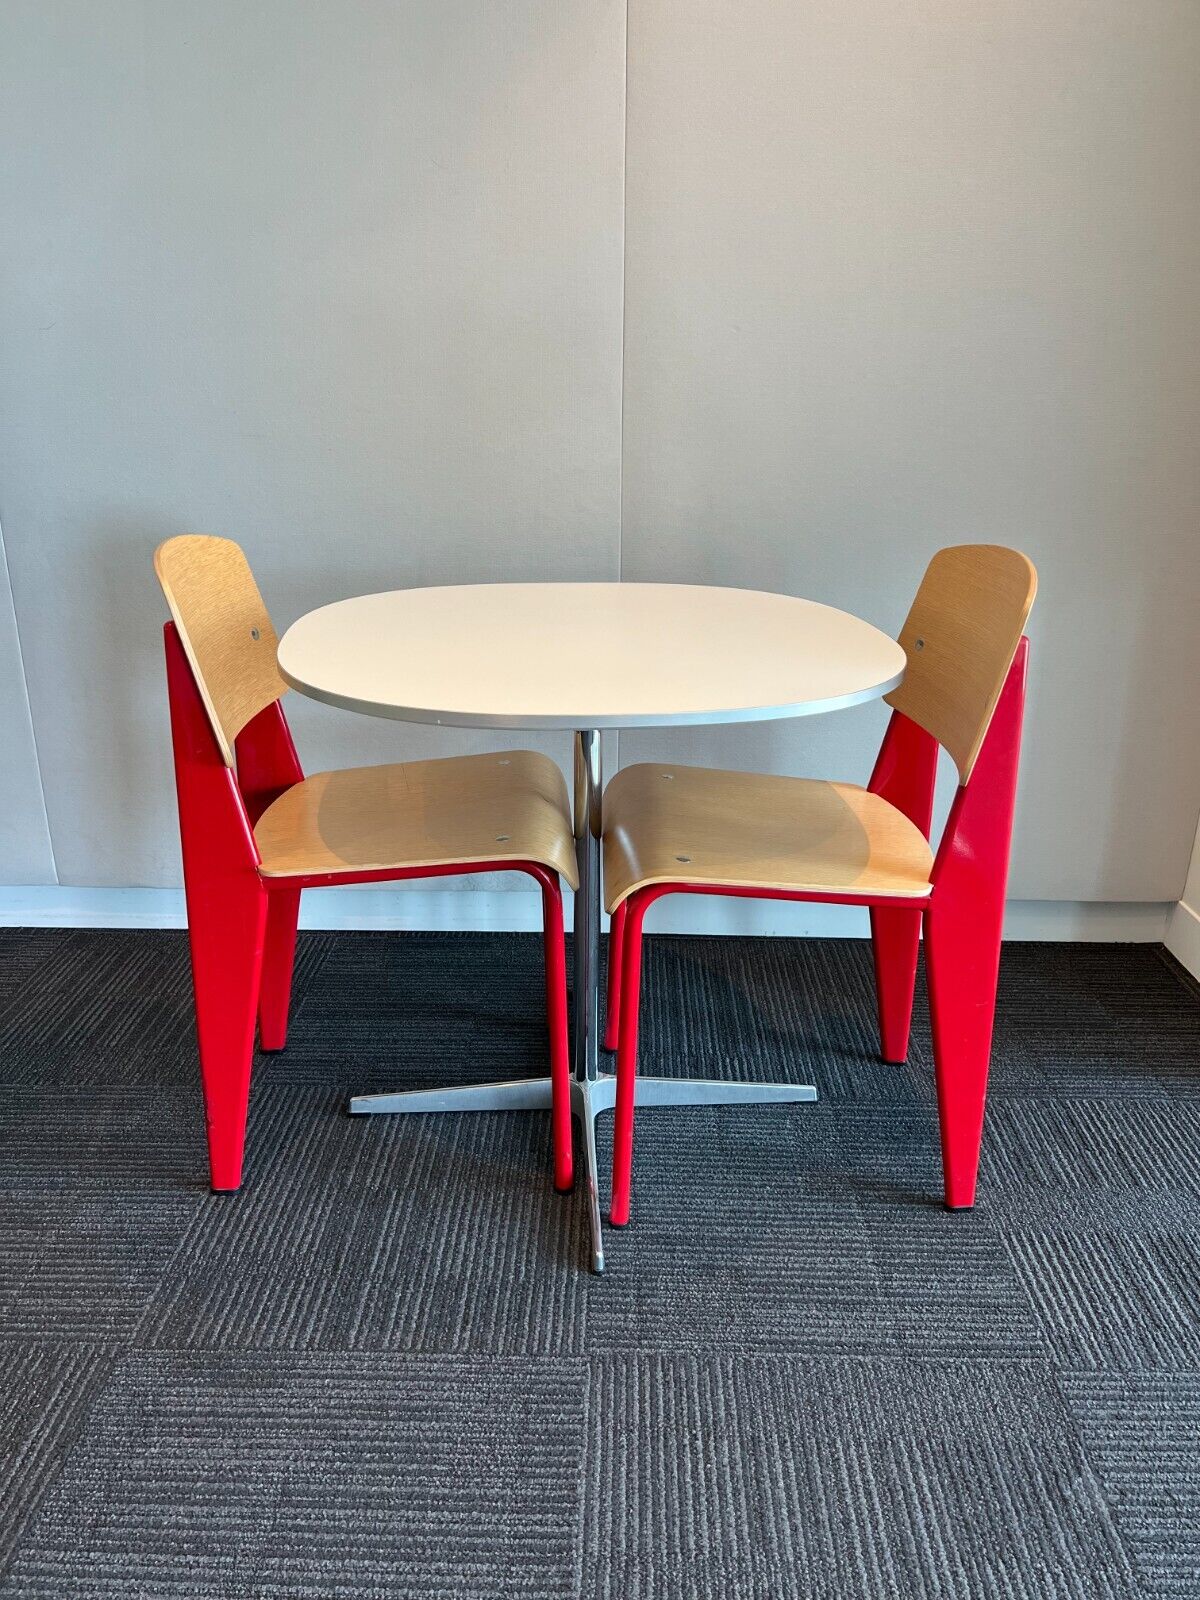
<point x="903" y="273"/>
<point x="342" y="281"/>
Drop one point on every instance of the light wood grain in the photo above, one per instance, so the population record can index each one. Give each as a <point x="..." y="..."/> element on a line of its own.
<point x="672" y="824"/>
<point x="507" y="807"/>
<point x="225" y="630"/>
<point x="959" y="638"/>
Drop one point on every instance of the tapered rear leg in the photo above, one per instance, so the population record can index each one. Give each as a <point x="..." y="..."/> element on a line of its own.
<point x="963" y="927"/>
<point x="227" y="916"/>
<point x="895" y="941"/>
<point x="279" y="955"/>
<point x="962" y="961"/>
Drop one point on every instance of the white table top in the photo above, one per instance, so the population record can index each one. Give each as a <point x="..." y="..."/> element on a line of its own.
<point x="586" y="655"/>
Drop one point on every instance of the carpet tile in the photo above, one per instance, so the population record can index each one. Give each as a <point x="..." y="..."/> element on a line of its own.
<point x="238" y="1475"/>
<point x="1113" y="1299"/>
<point x="773" y="1477"/>
<point x="427" y="1233"/>
<point x="78" y="1264"/>
<point x="45" y="1394"/>
<point x="1142" y="1431"/>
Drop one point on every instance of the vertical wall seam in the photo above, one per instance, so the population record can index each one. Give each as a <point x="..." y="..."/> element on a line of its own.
<point x="37" y="757"/>
<point x="624" y="275"/>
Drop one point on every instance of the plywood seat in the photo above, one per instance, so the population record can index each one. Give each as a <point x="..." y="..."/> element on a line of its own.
<point x="689" y="825"/>
<point x="487" y="808"/>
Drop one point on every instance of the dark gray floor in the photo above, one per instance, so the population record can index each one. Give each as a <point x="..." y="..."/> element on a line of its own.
<point x="381" y="1370"/>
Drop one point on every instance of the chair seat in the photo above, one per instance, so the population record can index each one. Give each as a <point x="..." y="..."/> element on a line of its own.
<point x="670" y="824"/>
<point x="506" y="807"/>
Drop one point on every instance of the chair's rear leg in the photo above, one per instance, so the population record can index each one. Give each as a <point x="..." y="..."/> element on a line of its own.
<point x="962" y="962"/>
<point x="227" y="931"/>
<point x="612" y="1010"/>
<point x="631" y="984"/>
<point x="895" y="940"/>
<point x="963" y="925"/>
<point x="283" y="911"/>
<point x="227" y="915"/>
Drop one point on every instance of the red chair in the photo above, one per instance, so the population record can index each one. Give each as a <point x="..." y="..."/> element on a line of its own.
<point x="793" y="839"/>
<point x="256" y="833"/>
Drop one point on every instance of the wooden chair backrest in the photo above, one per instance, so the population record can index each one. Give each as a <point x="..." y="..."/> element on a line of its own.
<point x="225" y="630"/>
<point x="960" y="638"/>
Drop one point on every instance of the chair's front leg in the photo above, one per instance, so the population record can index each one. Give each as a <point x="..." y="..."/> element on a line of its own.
<point x="612" y="1010"/>
<point x="631" y="982"/>
<point x="554" y="946"/>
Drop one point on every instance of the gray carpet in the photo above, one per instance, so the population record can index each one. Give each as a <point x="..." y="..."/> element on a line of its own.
<point x="382" y="1370"/>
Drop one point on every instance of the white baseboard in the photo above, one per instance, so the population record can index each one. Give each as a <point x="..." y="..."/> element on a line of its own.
<point x="488" y="910"/>
<point x="1183" y="937"/>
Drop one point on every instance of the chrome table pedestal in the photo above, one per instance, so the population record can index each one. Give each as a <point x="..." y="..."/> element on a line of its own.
<point x="592" y="1091"/>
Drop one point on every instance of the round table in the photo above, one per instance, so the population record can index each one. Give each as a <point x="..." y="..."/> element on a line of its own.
<point x="584" y="657"/>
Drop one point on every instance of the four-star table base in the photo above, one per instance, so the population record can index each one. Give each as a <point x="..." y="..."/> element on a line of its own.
<point x="589" y="1097"/>
<point x="592" y="1091"/>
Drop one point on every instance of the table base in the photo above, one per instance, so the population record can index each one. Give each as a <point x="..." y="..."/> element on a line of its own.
<point x="592" y="1091"/>
<point x="589" y="1097"/>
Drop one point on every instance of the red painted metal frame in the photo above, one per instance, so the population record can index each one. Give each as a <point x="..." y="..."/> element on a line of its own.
<point x="227" y="916"/>
<point x="905" y="774"/>
<point x="612" y="1011"/>
<point x="962" y="916"/>
<point x="267" y="766"/>
<point x="242" y="926"/>
<point x="962" y="935"/>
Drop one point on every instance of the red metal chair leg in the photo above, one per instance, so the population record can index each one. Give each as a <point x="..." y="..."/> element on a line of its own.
<point x="962" y="962"/>
<point x="556" y="1019"/>
<point x="227" y="937"/>
<point x="283" y="910"/>
<point x="227" y="916"/>
<point x="631" y="983"/>
<point x="895" y="940"/>
<point x="962" y="936"/>
<point x="612" y="1011"/>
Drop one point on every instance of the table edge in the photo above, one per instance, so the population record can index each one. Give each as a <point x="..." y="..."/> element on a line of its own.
<point x="688" y="719"/>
